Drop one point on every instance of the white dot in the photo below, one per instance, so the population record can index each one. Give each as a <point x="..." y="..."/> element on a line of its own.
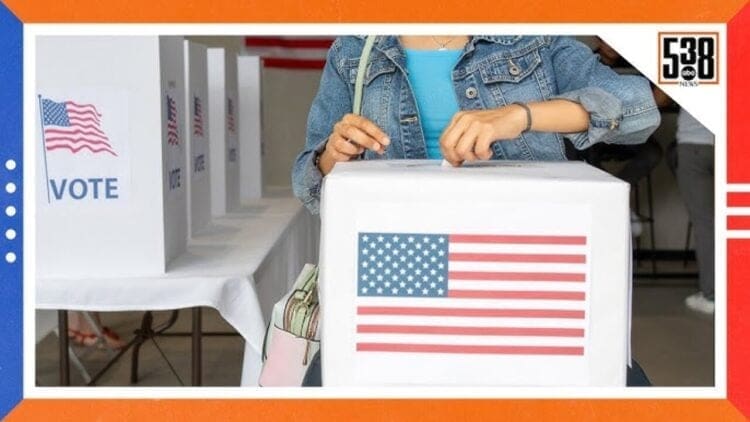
<point x="10" y="164"/>
<point x="10" y="187"/>
<point x="10" y="234"/>
<point x="10" y="210"/>
<point x="10" y="257"/>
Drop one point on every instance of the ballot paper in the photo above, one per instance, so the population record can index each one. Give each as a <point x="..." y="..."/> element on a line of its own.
<point x="493" y="273"/>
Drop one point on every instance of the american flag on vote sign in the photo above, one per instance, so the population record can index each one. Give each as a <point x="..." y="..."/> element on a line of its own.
<point x="197" y="117"/>
<point x="173" y="134"/>
<point x="472" y="294"/>
<point x="74" y="127"/>
<point x="230" y="116"/>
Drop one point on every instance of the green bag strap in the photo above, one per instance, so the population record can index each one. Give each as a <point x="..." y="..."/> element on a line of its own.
<point x="359" y="83"/>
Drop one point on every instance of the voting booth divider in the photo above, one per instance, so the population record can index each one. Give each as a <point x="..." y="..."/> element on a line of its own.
<point x="224" y="131"/>
<point x="251" y="174"/>
<point x="111" y="162"/>
<point x="498" y="273"/>
<point x="196" y="132"/>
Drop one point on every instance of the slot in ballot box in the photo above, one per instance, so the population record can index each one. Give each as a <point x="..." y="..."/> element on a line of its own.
<point x="110" y="155"/>
<point x="495" y="273"/>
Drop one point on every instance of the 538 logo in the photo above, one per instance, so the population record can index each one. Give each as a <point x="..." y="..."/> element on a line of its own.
<point x="689" y="58"/>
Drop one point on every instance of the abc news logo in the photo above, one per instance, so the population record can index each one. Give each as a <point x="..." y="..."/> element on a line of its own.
<point x="688" y="59"/>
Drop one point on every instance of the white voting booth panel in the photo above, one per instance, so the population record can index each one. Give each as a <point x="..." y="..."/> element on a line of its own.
<point x="111" y="198"/>
<point x="224" y="129"/>
<point x="503" y="273"/>
<point x="197" y="131"/>
<point x="251" y="182"/>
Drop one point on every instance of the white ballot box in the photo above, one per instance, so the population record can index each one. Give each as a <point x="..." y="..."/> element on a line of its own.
<point x="224" y="129"/>
<point x="494" y="274"/>
<point x="196" y="132"/>
<point x="251" y="173"/>
<point x="110" y="155"/>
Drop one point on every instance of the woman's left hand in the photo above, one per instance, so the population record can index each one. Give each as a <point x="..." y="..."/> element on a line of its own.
<point x="470" y="133"/>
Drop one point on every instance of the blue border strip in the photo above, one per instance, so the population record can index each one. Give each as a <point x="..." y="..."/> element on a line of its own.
<point x="11" y="198"/>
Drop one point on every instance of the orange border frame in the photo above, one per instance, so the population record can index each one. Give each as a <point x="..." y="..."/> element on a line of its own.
<point x="392" y="11"/>
<point x="718" y="55"/>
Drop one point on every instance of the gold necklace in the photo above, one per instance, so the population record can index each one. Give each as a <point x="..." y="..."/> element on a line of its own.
<point x="442" y="46"/>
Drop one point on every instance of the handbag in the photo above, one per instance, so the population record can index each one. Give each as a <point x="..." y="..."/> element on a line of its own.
<point x="292" y="337"/>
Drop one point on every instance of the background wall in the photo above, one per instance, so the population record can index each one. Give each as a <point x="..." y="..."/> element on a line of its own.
<point x="287" y="96"/>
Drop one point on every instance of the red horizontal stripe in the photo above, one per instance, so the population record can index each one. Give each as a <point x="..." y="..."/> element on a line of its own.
<point x="82" y="121"/>
<point x="83" y="126"/>
<point x="471" y="312"/>
<point x="76" y="150"/>
<point x="518" y="239"/>
<point x="288" y="43"/>
<point x="471" y="331"/>
<point x="515" y="276"/>
<point x="514" y="257"/>
<point x="469" y="349"/>
<point x="83" y="110"/>
<point x="85" y="106"/>
<point x="74" y="132"/>
<point x="738" y="222"/>
<point x="54" y="139"/>
<point x="738" y="199"/>
<point x="83" y="114"/>
<point x="283" y="63"/>
<point x="516" y="294"/>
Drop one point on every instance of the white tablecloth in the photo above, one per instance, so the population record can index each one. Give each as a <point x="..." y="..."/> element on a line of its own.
<point x="240" y="265"/>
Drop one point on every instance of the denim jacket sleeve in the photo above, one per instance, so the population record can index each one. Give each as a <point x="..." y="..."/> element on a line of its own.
<point x="621" y="107"/>
<point x="330" y="104"/>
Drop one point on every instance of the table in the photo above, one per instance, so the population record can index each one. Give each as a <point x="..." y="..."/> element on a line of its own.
<point x="240" y="265"/>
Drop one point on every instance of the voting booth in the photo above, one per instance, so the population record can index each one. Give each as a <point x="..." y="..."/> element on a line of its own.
<point x="196" y="132"/>
<point x="494" y="273"/>
<point x="251" y="171"/>
<point x="110" y="155"/>
<point x="224" y="130"/>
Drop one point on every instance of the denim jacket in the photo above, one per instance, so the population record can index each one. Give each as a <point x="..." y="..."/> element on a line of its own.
<point x="492" y="71"/>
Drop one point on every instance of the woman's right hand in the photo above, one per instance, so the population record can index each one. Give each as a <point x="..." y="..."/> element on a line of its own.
<point x="350" y="137"/>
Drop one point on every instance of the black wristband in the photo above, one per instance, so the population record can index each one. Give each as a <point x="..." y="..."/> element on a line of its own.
<point x="528" y="115"/>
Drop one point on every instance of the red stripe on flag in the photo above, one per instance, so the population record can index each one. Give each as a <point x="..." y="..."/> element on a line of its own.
<point x="512" y="257"/>
<point x="738" y="199"/>
<point x="288" y="43"/>
<point x="77" y="149"/>
<point x="469" y="349"/>
<point x="518" y="239"/>
<point x="282" y="63"/>
<point x="738" y="222"/>
<point x="83" y="106"/>
<point x="471" y="331"/>
<point x="516" y="294"/>
<point x="471" y="312"/>
<point x="515" y="276"/>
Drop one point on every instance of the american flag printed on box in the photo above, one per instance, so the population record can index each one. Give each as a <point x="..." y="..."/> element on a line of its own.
<point x="472" y="294"/>
<point x="197" y="116"/>
<point x="173" y="134"/>
<point x="73" y="126"/>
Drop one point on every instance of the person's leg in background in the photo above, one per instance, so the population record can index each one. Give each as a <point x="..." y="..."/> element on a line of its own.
<point x="695" y="179"/>
<point x="643" y="159"/>
<point x="81" y="332"/>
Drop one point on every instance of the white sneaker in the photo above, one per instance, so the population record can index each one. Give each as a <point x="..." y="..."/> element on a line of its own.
<point x="699" y="303"/>
<point x="636" y="225"/>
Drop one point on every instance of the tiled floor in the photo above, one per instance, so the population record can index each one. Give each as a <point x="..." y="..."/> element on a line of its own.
<point x="673" y="345"/>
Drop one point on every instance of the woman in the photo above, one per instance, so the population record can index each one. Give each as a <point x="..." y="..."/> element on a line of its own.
<point x="466" y="98"/>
